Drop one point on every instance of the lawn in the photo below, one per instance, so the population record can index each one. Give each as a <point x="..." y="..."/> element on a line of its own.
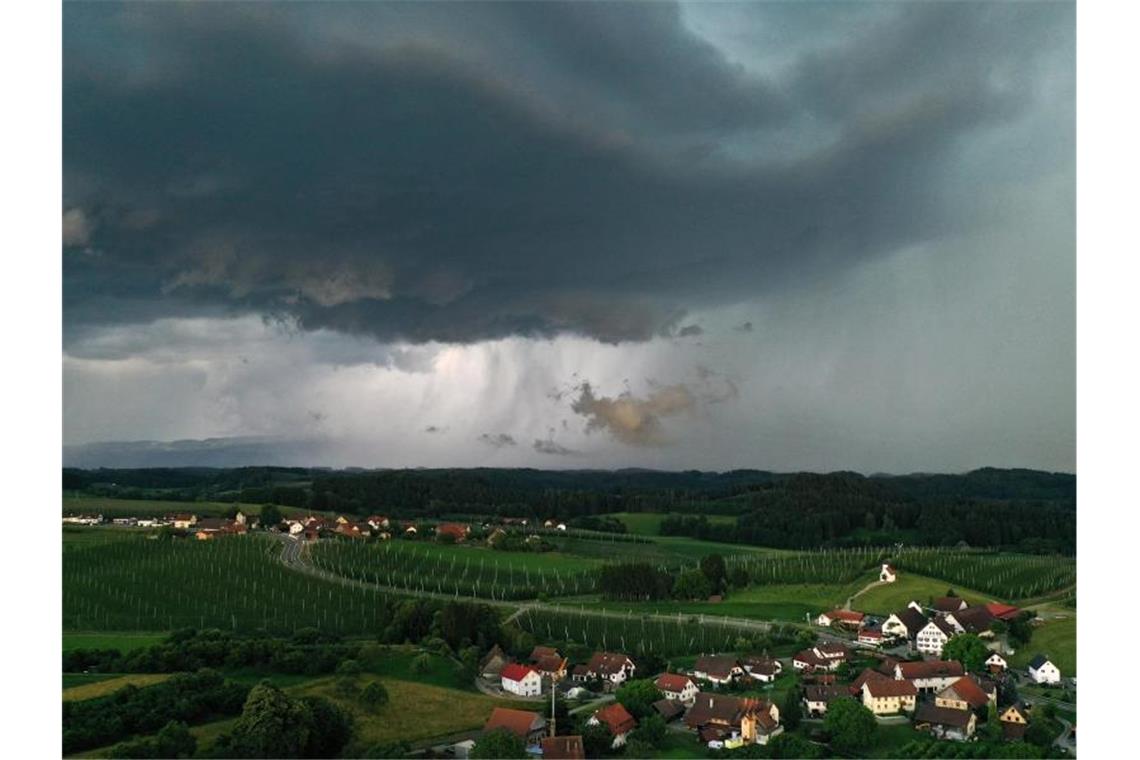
<point x="124" y="642"/>
<point x="890" y="597"/>
<point x="1057" y="639"/>
<point x="786" y="602"/>
<point x="105" y="687"/>
<point x="890" y="737"/>
<point x="649" y="523"/>
<point x="396" y="662"/>
<point x="677" y="744"/>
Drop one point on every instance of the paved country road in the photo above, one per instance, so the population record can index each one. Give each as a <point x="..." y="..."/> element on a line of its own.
<point x="294" y="555"/>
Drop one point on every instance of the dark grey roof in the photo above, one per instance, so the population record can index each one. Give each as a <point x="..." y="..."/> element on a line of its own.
<point x="1038" y="661"/>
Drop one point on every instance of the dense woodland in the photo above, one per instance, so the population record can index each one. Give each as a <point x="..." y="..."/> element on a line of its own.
<point x="1024" y="509"/>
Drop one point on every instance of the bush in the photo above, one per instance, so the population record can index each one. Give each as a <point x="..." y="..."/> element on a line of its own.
<point x="374" y="695"/>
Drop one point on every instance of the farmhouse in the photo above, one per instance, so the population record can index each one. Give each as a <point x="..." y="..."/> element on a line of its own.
<point x="887" y="574"/>
<point x="906" y="623"/>
<point x="353" y="529"/>
<point x="820" y="657"/>
<point x="817" y="698"/>
<point x="870" y="637"/>
<point x="182" y="521"/>
<point x="995" y="663"/>
<point x="945" y="722"/>
<point x="934" y="635"/>
<point x="456" y="531"/>
<point x="763" y="669"/>
<point x="931" y="675"/>
<point x="846" y="618"/>
<point x="669" y="709"/>
<point x="716" y="716"/>
<point x="521" y="679"/>
<point x="676" y="687"/>
<point x="964" y="694"/>
<point x="617" y="719"/>
<point x="528" y="726"/>
<point x="718" y="669"/>
<point x="610" y="667"/>
<point x="1043" y="671"/>
<point x="83" y="519"/>
<point x="949" y="604"/>
<point x="552" y="666"/>
<point x="210" y="527"/>
<point x="868" y="674"/>
<point x="491" y="666"/>
<point x="887" y="697"/>
<point x="540" y="652"/>
<point x="974" y="620"/>
<point x="563" y="748"/>
<point x="1004" y="612"/>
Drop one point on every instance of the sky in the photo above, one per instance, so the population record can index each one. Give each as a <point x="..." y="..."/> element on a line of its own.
<point x="787" y="236"/>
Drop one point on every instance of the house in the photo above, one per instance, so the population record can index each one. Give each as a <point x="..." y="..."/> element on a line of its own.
<point x="580" y="673"/>
<point x="617" y="719"/>
<point x="764" y="669"/>
<point x="870" y="637"/>
<point x="949" y="604"/>
<point x="210" y="527"/>
<point x="342" y="520"/>
<point x="930" y="676"/>
<point x="491" y="666"/>
<point x="528" y="726"/>
<point x="817" y="698"/>
<point x="718" y="669"/>
<point x="974" y="620"/>
<point x="887" y="574"/>
<point x="183" y="521"/>
<point x="846" y="618"/>
<point x="934" y="635"/>
<point x="1014" y="722"/>
<point x="669" y="709"/>
<point x="965" y="694"/>
<point x="1041" y="670"/>
<point x="719" y="716"/>
<point x="1006" y="612"/>
<point x="83" y="519"/>
<point x="456" y="531"/>
<point x="610" y="667"/>
<point x="539" y="653"/>
<point x="856" y="687"/>
<point x="353" y="529"/>
<point x="125" y="521"/>
<point x="676" y="688"/>
<point x="820" y="657"/>
<point x="995" y="663"/>
<point x="887" y="696"/>
<point x="906" y="623"/>
<point x="521" y="679"/>
<point x="945" y="722"/>
<point x="410" y="529"/>
<point x="377" y="522"/>
<point x="241" y="517"/>
<point x="552" y="666"/>
<point x="563" y="748"/>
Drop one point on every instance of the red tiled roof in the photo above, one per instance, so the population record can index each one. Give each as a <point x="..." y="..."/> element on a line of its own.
<point x="538" y="653"/>
<point x="1003" y="611"/>
<point x="867" y="675"/>
<point x="516" y="672"/>
<point x="550" y="664"/>
<point x="888" y="687"/>
<point x="616" y="718"/>
<point x="848" y="616"/>
<point x="673" y="682"/>
<point x="563" y="748"/>
<point x="968" y="690"/>
<point x="607" y="663"/>
<point x="931" y="669"/>
<point x="518" y="722"/>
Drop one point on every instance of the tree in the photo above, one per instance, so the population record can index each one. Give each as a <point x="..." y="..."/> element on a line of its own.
<point x="967" y="649"/>
<point x="596" y="740"/>
<point x="638" y="697"/>
<point x="738" y="577"/>
<point x="1020" y="631"/>
<point x="374" y="696"/>
<point x="787" y="745"/>
<point x="712" y="565"/>
<point x="692" y="584"/>
<point x="271" y="725"/>
<point x="850" y="725"/>
<point x="499" y="743"/>
<point x="791" y="710"/>
<point x="421" y="664"/>
<point x="651" y="730"/>
<point x="1042" y="732"/>
<point x="330" y="728"/>
<point x="270" y="516"/>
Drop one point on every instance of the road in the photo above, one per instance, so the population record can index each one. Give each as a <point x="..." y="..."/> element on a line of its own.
<point x="294" y="556"/>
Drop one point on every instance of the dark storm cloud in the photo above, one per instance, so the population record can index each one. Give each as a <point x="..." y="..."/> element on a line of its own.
<point x="498" y="440"/>
<point x="691" y="331"/>
<point x="549" y="446"/>
<point x="458" y="173"/>
<point x="630" y="419"/>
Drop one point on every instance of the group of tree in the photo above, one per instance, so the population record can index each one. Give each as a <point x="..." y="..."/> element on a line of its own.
<point x="273" y="724"/>
<point x="641" y="581"/>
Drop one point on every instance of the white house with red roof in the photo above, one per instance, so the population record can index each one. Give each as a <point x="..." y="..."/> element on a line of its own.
<point x="521" y="679"/>
<point x="677" y="688"/>
<point x="847" y="618"/>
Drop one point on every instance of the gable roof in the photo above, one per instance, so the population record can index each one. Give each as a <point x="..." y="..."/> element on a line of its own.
<point x="847" y="616"/>
<point x="518" y="722"/>
<point x="718" y="666"/>
<point x="668" y="708"/>
<point x="672" y="682"/>
<point x="967" y="690"/>
<point x="723" y="709"/>
<point x="825" y="693"/>
<point x="889" y="687"/>
<point x="516" y="672"/>
<point x="943" y="625"/>
<point x="765" y="666"/>
<point x="550" y="664"/>
<point x="607" y="663"/>
<point x="563" y="748"/>
<point x="1038" y="661"/>
<point x="1003" y="611"/>
<point x="538" y="653"/>
<point x="912" y="619"/>
<point x="868" y="674"/>
<point x="616" y="718"/>
<point x="928" y="712"/>
<point x="974" y="619"/>
<point x="931" y="669"/>
<point x="949" y="603"/>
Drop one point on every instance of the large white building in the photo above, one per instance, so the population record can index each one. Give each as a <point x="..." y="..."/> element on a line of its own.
<point x="521" y="679"/>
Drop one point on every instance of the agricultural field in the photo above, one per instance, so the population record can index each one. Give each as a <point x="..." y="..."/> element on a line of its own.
<point x="891" y="597"/>
<point x="1057" y="639"/>
<point x="141" y="584"/>
<point x="784" y="602"/>
<point x="157" y="507"/>
<point x="124" y="642"/>
<point x="102" y="688"/>
<point x="836" y="566"/>
<point x="1008" y="576"/>
<point x="649" y="523"/>
<point x="462" y="570"/>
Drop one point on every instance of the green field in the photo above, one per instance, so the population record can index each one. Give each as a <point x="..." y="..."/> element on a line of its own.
<point x="1057" y="639"/>
<point x="71" y="680"/>
<point x="891" y="597"/>
<point x="124" y="642"/>
<point x="1009" y="576"/>
<point x="649" y="523"/>
<point x="786" y="602"/>
<point x="104" y="687"/>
